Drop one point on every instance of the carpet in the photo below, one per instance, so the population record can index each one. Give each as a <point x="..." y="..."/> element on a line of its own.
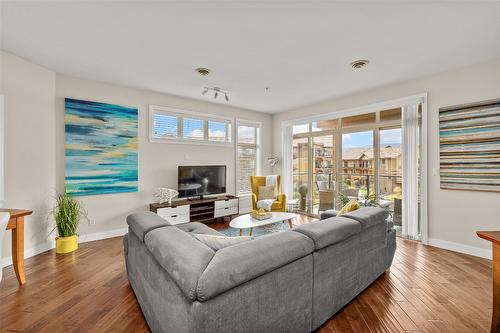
<point x="259" y="231"/>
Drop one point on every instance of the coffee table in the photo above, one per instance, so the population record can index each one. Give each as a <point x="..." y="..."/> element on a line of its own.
<point x="247" y="222"/>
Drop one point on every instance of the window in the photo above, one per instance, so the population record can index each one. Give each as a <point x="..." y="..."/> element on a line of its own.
<point x="324" y="125"/>
<point x="303" y="128"/>
<point x="217" y="131"/>
<point x="165" y="126"/>
<point x="247" y="153"/>
<point x="193" y="129"/>
<point x="176" y="126"/>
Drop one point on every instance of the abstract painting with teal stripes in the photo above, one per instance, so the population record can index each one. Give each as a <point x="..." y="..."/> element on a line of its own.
<point x="469" y="138"/>
<point x="100" y="148"/>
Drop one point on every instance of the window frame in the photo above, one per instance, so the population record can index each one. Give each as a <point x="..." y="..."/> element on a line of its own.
<point x="181" y="115"/>
<point x="257" y="145"/>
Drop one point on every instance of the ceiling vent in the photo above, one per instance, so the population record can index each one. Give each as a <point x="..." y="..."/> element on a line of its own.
<point x="202" y="71"/>
<point x="359" y="64"/>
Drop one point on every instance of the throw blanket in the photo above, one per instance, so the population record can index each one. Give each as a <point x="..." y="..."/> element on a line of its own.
<point x="271" y="180"/>
<point x="266" y="204"/>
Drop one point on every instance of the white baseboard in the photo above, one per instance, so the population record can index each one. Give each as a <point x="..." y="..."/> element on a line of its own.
<point x="7" y="261"/>
<point x="51" y="244"/>
<point x="102" y="235"/>
<point x="462" y="248"/>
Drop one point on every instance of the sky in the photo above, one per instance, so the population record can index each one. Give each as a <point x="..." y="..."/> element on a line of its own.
<point x="361" y="139"/>
<point x="390" y="137"/>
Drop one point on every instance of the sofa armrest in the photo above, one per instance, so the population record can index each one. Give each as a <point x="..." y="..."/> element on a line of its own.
<point x="143" y="222"/>
<point x="237" y="264"/>
<point x="368" y="216"/>
<point x="182" y="257"/>
<point x="330" y="231"/>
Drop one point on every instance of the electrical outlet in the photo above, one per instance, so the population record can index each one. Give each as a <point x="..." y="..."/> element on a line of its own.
<point x="91" y="222"/>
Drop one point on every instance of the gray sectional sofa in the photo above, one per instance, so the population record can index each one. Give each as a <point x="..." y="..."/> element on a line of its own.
<point x="291" y="281"/>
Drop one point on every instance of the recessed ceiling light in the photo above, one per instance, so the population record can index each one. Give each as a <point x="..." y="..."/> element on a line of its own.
<point x="359" y="64"/>
<point x="202" y="71"/>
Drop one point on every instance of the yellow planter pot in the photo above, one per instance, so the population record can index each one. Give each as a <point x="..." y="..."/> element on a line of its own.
<point x="66" y="244"/>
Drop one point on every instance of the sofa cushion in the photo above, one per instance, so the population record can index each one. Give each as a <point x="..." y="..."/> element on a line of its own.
<point x="328" y="213"/>
<point x="183" y="257"/>
<point x="198" y="228"/>
<point x="330" y="231"/>
<point x="216" y="242"/>
<point x="143" y="222"/>
<point x="368" y="216"/>
<point x="235" y="265"/>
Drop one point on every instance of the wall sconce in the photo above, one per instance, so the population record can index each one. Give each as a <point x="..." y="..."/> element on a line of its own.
<point x="272" y="161"/>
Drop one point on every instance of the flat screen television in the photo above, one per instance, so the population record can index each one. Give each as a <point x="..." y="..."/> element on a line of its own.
<point x="198" y="181"/>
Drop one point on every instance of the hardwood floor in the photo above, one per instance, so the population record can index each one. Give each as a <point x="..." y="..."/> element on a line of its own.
<point x="426" y="290"/>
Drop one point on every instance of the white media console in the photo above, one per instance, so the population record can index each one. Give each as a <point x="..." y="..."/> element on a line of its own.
<point x="197" y="210"/>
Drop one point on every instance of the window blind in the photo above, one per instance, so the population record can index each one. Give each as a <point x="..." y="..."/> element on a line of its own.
<point x="164" y="126"/>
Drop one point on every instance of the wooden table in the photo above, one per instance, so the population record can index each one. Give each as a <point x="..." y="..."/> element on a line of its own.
<point x="494" y="238"/>
<point x="16" y="224"/>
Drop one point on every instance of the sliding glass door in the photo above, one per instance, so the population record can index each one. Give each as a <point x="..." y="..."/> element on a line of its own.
<point x="358" y="166"/>
<point x="323" y="173"/>
<point x="360" y="158"/>
<point x="390" y="173"/>
<point x="301" y="179"/>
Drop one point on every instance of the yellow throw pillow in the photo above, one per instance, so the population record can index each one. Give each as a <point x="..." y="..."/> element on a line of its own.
<point x="266" y="192"/>
<point x="352" y="205"/>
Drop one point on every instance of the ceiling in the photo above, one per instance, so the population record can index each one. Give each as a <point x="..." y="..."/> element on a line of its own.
<point x="300" y="50"/>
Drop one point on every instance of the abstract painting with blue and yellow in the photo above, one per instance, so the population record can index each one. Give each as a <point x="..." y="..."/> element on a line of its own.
<point x="101" y="148"/>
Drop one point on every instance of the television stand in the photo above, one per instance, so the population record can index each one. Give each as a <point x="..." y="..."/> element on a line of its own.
<point x="204" y="210"/>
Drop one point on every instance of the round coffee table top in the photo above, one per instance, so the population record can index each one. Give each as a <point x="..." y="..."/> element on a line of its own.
<point x="246" y="221"/>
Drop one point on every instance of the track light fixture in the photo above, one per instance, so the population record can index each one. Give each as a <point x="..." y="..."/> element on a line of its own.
<point x="217" y="91"/>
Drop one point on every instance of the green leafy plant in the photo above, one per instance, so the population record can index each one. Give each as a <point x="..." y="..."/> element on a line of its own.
<point x="67" y="213"/>
<point x="303" y="190"/>
<point x="343" y="199"/>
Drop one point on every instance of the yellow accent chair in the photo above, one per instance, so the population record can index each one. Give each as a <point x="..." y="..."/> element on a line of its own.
<point x="279" y="205"/>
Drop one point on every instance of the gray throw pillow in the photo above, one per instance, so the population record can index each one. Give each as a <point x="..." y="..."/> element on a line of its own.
<point x="216" y="242"/>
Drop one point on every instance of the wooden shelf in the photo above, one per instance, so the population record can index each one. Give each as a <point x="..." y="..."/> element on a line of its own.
<point x="211" y="212"/>
<point x="210" y="219"/>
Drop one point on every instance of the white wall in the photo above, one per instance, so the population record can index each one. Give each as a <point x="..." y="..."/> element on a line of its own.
<point x="34" y="160"/>
<point x="454" y="216"/>
<point x="157" y="161"/>
<point x="30" y="145"/>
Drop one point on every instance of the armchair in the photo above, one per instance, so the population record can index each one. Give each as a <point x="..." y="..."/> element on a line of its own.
<point x="279" y="205"/>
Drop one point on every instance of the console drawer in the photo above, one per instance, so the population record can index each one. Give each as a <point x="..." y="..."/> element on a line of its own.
<point x="226" y="211"/>
<point x="175" y="219"/>
<point x="222" y="204"/>
<point x="171" y="211"/>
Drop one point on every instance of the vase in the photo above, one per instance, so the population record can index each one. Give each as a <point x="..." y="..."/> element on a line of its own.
<point x="66" y="244"/>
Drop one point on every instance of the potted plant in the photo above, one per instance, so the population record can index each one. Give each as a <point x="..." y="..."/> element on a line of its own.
<point x="67" y="213"/>
<point x="303" y="194"/>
